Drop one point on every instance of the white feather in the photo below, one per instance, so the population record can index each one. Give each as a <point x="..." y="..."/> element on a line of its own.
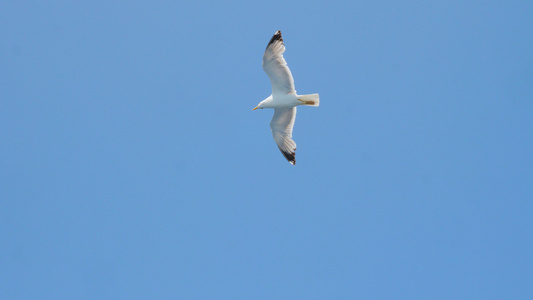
<point x="276" y="67"/>
<point x="281" y="126"/>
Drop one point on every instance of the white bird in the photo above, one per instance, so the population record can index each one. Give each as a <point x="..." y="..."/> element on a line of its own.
<point x="283" y="98"/>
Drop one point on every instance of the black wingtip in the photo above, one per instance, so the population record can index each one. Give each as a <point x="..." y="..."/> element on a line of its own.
<point x="291" y="157"/>
<point x="276" y="37"/>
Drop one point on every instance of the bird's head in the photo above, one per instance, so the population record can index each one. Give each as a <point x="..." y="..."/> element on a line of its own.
<point x="260" y="105"/>
<point x="264" y="104"/>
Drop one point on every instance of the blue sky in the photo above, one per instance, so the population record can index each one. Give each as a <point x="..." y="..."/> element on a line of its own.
<point x="133" y="167"/>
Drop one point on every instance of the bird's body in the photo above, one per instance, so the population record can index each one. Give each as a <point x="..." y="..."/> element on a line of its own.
<point x="283" y="98"/>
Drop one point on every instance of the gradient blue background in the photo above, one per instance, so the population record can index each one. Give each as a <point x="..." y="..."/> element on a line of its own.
<point x="132" y="165"/>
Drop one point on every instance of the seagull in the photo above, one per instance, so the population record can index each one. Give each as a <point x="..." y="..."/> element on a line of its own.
<point x="283" y="98"/>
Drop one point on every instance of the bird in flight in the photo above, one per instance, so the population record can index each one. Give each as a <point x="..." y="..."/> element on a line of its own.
<point x="283" y="98"/>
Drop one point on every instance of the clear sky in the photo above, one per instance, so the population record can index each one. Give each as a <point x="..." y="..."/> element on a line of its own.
<point x="133" y="167"/>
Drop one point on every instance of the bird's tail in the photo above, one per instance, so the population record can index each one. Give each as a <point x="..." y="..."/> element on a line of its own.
<point x="310" y="100"/>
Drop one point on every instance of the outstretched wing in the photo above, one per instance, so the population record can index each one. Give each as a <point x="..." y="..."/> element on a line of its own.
<point x="281" y="125"/>
<point x="276" y="67"/>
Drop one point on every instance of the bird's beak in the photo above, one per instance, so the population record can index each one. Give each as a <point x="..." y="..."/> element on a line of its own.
<point x="256" y="108"/>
